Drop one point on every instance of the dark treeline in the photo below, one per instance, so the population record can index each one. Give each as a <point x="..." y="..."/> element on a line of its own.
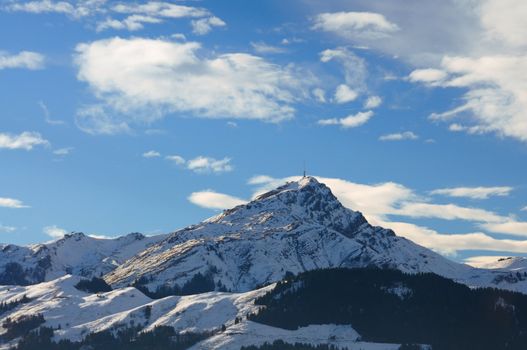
<point x="281" y="345"/>
<point x="95" y="285"/>
<point x="199" y="283"/>
<point x="428" y="310"/>
<point x="20" y="326"/>
<point x="7" y="306"/>
<point x="160" y="338"/>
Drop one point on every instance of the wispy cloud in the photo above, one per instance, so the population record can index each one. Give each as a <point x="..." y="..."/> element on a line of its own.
<point x="372" y="102"/>
<point x="12" y="203"/>
<point x="213" y="200"/>
<point x="354" y="67"/>
<point x="54" y="231"/>
<point x="263" y="48"/>
<point x="351" y="121"/>
<point x="178" y="160"/>
<point x="152" y="154"/>
<point x="63" y="151"/>
<point x="407" y="135"/>
<point x="203" y="26"/>
<point x="207" y="165"/>
<point x="202" y="164"/>
<point x="81" y="9"/>
<point x="26" y="140"/>
<point x="474" y="192"/>
<point x="367" y="25"/>
<point x="131" y="23"/>
<point x="47" y="116"/>
<point x="7" y="229"/>
<point x="25" y="60"/>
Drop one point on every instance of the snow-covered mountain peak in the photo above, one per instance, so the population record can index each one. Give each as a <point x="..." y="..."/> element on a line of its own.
<point x="295" y="203"/>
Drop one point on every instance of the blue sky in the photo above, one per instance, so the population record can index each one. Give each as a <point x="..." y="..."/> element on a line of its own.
<point x="120" y="117"/>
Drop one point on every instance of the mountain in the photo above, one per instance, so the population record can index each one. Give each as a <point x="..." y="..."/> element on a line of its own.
<point x="297" y="227"/>
<point x="75" y="253"/>
<point x="213" y="284"/>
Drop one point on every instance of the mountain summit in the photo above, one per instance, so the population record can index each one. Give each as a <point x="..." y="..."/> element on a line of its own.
<point x="296" y="227"/>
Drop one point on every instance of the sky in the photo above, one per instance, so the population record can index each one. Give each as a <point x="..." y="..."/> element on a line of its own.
<point x="149" y="116"/>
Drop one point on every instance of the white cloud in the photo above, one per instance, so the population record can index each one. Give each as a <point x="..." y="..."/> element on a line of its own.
<point x="207" y="165"/>
<point x="407" y="135"/>
<point x="428" y="75"/>
<point x="524" y="208"/>
<point x="351" y="121"/>
<point x="478" y="47"/>
<point x="351" y="25"/>
<point x="154" y="12"/>
<point x="131" y="23"/>
<point x="63" y="151"/>
<point x="450" y="244"/>
<point x="54" y="231"/>
<point x="455" y="127"/>
<point x="25" y="59"/>
<point x="474" y="192"/>
<point x="161" y="9"/>
<point x="496" y="100"/>
<point x="263" y="48"/>
<point x="320" y="95"/>
<point x="372" y="102"/>
<point x="203" y="165"/>
<point x="446" y="212"/>
<point x="178" y="160"/>
<point x="7" y="229"/>
<point x="354" y="67"/>
<point x="82" y="8"/>
<point x="203" y="26"/>
<point x="510" y="227"/>
<point x="43" y="6"/>
<point x="504" y="20"/>
<point x="151" y="154"/>
<point x="26" y="140"/>
<point x="12" y="203"/>
<point x="343" y="94"/>
<point x="214" y="200"/>
<point x="141" y="80"/>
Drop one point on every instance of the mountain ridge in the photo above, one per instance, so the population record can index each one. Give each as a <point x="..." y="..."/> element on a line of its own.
<point x="296" y="227"/>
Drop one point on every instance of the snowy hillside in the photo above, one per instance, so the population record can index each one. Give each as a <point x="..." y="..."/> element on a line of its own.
<point x="75" y="253"/>
<point x="511" y="263"/>
<point x="77" y="313"/>
<point x="297" y="227"/>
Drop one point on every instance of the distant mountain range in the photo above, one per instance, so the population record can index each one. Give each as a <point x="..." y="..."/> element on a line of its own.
<point x="296" y="228"/>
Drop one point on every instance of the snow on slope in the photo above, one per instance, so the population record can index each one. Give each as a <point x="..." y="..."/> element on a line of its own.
<point x="511" y="263"/>
<point x="252" y="333"/>
<point x="79" y="313"/>
<point x="74" y="253"/>
<point x="297" y="227"/>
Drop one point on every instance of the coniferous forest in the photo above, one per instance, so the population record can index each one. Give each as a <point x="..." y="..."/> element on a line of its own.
<point x="392" y="307"/>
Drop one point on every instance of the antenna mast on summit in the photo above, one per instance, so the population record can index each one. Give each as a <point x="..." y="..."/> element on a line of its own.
<point x="304" y="168"/>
